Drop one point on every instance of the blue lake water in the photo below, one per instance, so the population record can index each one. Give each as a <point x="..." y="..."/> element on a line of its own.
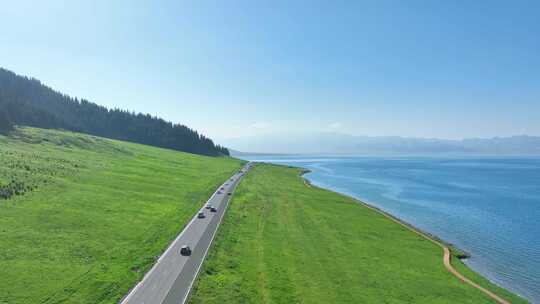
<point x="489" y="207"/>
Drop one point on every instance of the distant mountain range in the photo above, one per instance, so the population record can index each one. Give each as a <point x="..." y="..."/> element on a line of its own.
<point x="336" y="143"/>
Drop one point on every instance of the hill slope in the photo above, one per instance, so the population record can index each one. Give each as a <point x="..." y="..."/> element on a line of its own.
<point x="85" y="217"/>
<point x="26" y="101"/>
<point x="284" y="242"/>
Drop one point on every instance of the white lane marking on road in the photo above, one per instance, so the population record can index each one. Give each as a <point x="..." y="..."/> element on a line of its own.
<point x="227" y="200"/>
<point x="174" y="242"/>
<point x="160" y="263"/>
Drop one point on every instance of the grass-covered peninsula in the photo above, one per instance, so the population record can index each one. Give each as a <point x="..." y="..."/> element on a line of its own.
<point x="82" y="218"/>
<point x="285" y="242"/>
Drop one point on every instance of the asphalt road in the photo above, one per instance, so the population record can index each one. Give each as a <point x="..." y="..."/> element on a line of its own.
<point x="170" y="279"/>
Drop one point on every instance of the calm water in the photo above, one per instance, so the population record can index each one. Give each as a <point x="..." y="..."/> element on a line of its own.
<point x="490" y="207"/>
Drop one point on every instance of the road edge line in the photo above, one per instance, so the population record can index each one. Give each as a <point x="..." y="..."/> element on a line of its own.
<point x="190" y="289"/>
<point x="149" y="272"/>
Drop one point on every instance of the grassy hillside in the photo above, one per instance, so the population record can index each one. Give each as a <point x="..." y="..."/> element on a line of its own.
<point x="86" y="216"/>
<point x="284" y="242"/>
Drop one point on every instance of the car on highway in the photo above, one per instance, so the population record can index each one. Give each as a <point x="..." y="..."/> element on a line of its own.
<point x="229" y="193"/>
<point x="201" y="215"/>
<point x="213" y="209"/>
<point x="185" y="250"/>
<point x="208" y="206"/>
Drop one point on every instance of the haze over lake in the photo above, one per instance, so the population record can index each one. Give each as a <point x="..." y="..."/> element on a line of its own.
<point x="489" y="207"/>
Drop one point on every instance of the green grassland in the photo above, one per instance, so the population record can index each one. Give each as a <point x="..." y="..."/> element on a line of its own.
<point x="284" y="242"/>
<point x="82" y="218"/>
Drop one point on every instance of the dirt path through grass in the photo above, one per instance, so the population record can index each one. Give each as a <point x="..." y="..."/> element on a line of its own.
<point x="283" y="241"/>
<point x="447" y="256"/>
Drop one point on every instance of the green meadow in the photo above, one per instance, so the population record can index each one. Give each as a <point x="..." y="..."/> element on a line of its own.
<point x="284" y="242"/>
<point x="83" y="218"/>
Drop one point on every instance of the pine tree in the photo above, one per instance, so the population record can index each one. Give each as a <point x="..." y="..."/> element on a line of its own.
<point x="5" y="123"/>
<point x="29" y="102"/>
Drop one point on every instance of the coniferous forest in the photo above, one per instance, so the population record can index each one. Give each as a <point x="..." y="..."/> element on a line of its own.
<point x="26" y="101"/>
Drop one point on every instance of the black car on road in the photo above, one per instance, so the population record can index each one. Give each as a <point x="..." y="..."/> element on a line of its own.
<point x="185" y="250"/>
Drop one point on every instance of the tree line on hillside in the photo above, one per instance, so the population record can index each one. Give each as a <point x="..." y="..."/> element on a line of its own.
<point x="26" y="101"/>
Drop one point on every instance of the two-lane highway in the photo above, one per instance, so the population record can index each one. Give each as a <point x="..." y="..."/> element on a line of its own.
<point x="171" y="278"/>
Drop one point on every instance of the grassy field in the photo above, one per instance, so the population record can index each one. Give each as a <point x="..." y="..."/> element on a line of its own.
<point x="284" y="242"/>
<point x="82" y="218"/>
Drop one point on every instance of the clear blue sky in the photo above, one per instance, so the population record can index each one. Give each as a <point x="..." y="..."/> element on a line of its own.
<point x="448" y="69"/>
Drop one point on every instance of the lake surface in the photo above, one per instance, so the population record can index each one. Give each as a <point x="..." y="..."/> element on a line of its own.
<point x="489" y="207"/>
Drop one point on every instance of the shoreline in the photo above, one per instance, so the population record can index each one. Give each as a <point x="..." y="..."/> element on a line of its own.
<point x="449" y="249"/>
<point x="456" y="251"/>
